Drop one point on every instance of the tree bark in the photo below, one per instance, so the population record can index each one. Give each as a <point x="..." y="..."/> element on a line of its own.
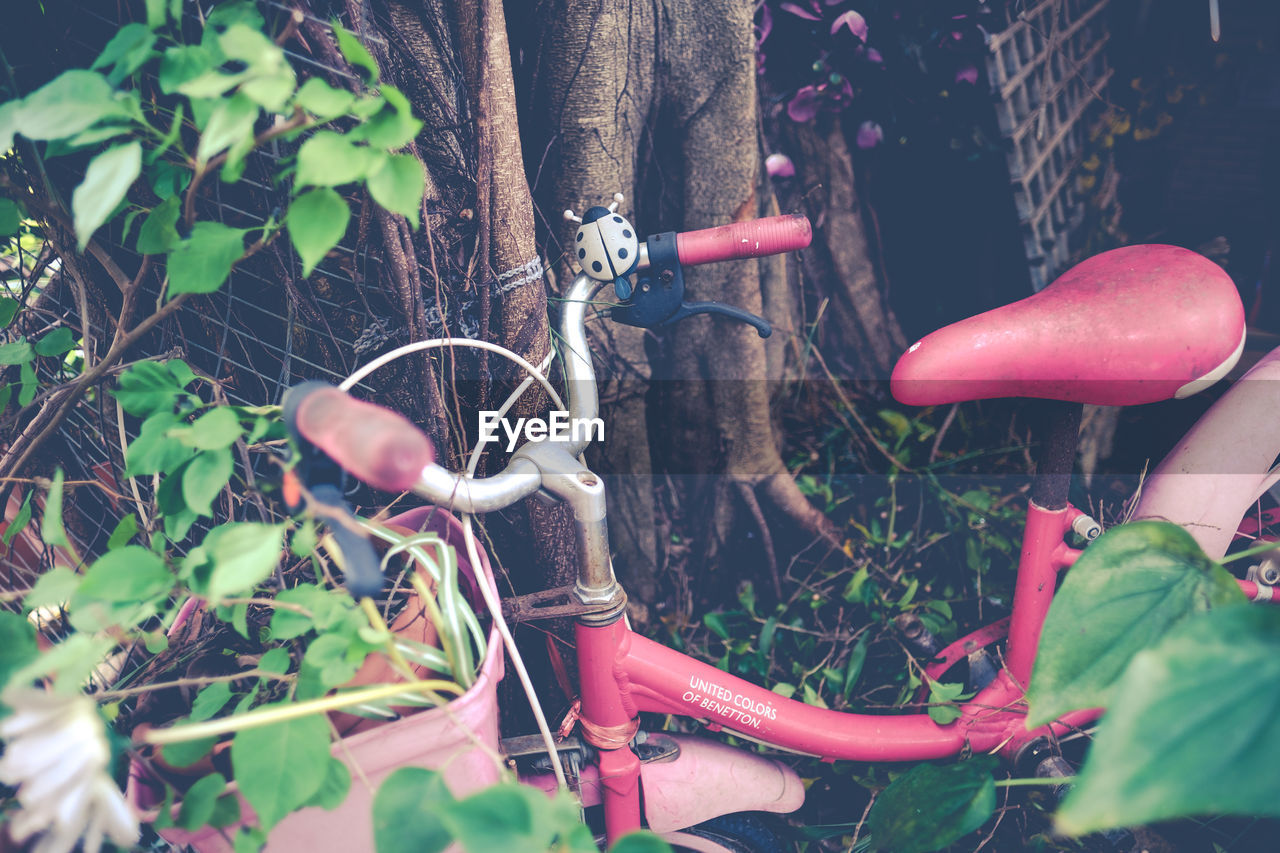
<point x="661" y="100"/>
<point x="859" y="330"/>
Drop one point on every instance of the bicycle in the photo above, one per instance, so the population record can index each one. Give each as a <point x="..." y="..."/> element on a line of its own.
<point x="1165" y="323"/>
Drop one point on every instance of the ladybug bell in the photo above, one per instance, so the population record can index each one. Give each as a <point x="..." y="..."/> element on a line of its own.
<point x="607" y="246"/>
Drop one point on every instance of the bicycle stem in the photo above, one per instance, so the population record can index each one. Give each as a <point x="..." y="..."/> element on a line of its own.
<point x="554" y="468"/>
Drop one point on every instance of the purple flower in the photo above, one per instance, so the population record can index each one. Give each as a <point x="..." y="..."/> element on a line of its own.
<point x="766" y="24"/>
<point x="870" y="135"/>
<point x="967" y="74"/>
<point x="855" y="22"/>
<point x="804" y="105"/>
<point x="779" y="166"/>
<point x="813" y="13"/>
<point x="873" y="55"/>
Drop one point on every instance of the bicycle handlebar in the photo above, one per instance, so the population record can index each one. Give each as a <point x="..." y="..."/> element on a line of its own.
<point x="385" y="450"/>
<point x="753" y="239"/>
<point x="376" y="445"/>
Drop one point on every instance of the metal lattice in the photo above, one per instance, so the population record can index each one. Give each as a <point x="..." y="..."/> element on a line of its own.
<point x="267" y="328"/>
<point x="1049" y="70"/>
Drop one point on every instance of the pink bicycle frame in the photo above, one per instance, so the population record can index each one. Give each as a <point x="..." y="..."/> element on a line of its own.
<point x="623" y="673"/>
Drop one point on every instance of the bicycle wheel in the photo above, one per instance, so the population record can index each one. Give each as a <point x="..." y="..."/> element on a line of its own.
<point x="744" y="832"/>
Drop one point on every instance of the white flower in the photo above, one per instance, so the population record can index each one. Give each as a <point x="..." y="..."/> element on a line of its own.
<point x="56" y="753"/>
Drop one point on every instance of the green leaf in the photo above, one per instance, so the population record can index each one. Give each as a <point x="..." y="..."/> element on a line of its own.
<point x="131" y="573"/>
<point x="407" y="810"/>
<point x="853" y="671"/>
<point x="316" y="220"/>
<point x="53" y="588"/>
<point x="287" y="624"/>
<point x="10" y="222"/>
<point x="105" y="184"/>
<point x="811" y="697"/>
<point x="355" y="53"/>
<point x="155" y="451"/>
<point x="275" y="660"/>
<point x="168" y="179"/>
<point x="183" y="64"/>
<point x="51" y="529"/>
<point x="399" y="186"/>
<point x="931" y="806"/>
<point x="156" y="13"/>
<point x="1130" y="587"/>
<point x="232" y="120"/>
<point x="329" y="159"/>
<point x="146" y="388"/>
<point x="199" y="801"/>
<point x="322" y="100"/>
<point x="333" y="792"/>
<point x="202" y="262"/>
<point x="853" y="590"/>
<point x="500" y="819"/>
<point x="272" y="91"/>
<point x="393" y="126"/>
<point x="243" y="555"/>
<point x="910" y="594"/>
<point x="1193" y="728"/>
<point x="127" y="51"/>
<point x="939" y="693"/>
<point x="19" y="522"/>
<point x="68" y="104"/>
<point x="328" y="656"/>
<point x="58" y="342"/>
<point x="304" y="539"/>
<point x="210" y="700"/>
<point x="125" y="530"/>
<point x="249" y="840"/>
<point x="281" y="766"/>
<point x="226" y="811"/>
<point x="16" y="352"/>
<point x="227" y="15"/>
<point x="204" y="478"/>
<point x="181" y="372"/>
<point x="214" y="430"/>
<point x="715" y="624"/>
<point x="159" y="232"/>
<point x="17" y="645"/>
<point x="70" y="662"/>
<point x="187" y="752"/>
<point x="27" y="378"/>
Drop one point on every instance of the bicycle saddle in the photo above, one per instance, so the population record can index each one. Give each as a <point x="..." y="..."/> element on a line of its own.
<point x="1129" y="326"/>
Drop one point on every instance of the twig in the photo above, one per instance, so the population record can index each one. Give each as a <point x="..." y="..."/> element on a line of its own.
<point x="193" y="681"/>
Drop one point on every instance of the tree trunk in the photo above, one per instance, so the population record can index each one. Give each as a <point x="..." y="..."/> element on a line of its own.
<point x="661" y="101"/>
<point x="858" y="331"/>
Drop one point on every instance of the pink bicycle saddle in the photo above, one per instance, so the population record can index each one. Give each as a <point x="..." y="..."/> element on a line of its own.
<point x="1128" y="326"/>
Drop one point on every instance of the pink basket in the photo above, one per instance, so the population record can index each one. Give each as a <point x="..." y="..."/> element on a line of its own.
<point x="459" y="739"/>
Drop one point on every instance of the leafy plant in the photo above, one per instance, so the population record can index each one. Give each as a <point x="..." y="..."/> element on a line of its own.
<point x="160" y="115"/>
<point x="1150" y="627"/>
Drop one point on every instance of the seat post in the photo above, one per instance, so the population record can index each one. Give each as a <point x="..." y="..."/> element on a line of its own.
<point x="1055" y="459"/>
<point x="1042" y="536"/>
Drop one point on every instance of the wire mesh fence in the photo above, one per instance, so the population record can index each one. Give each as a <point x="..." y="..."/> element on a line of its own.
<point x="268" y="327"/>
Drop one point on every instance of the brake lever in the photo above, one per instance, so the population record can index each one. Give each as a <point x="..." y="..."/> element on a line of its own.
<point x="658" y="297"/>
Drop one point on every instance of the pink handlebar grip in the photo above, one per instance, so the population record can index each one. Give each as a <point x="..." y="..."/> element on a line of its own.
<point x="377" y="446"/>
<point x="752" y="239"/>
